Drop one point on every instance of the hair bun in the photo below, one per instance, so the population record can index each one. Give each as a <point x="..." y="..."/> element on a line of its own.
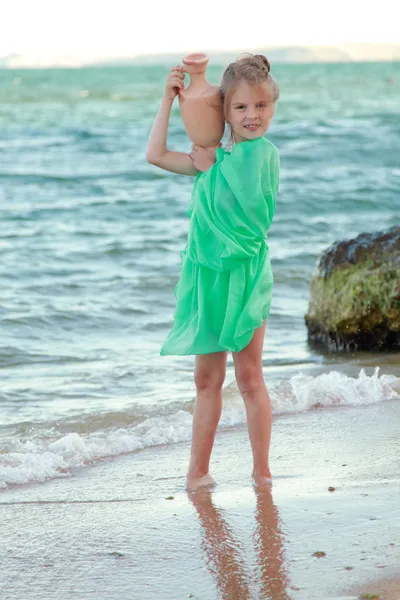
<point x="264" y="60"/>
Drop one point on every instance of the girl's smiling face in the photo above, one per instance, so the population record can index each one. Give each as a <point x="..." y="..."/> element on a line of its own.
<point x="250" y="111"/>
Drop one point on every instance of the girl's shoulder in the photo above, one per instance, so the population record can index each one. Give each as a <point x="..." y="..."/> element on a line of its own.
<point x="267" y="144"/>
<point x="259" y="151"/>
<point x="260" y="144"/>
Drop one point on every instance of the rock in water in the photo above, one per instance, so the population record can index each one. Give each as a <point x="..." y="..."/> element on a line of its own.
<point x="355" y="294"/>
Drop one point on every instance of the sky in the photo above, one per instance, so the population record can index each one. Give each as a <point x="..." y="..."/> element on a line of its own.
<point x="130" y="27"/>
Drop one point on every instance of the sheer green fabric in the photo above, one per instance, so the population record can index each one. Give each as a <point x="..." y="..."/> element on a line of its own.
<point x="225" y="287"/>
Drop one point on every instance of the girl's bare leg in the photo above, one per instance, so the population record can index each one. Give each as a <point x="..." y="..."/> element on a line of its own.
<point x="250" y="380"/>
<point x="209" y="376"/>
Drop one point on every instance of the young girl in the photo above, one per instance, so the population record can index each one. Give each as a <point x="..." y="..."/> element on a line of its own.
<point x="224" y="292"/>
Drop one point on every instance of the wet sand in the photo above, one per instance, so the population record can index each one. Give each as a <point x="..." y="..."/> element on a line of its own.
<point x="382" y="589"/>
<point x="127" y="529"/>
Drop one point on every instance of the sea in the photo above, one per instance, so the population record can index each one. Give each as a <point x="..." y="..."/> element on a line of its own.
<point x="90" y="241"/>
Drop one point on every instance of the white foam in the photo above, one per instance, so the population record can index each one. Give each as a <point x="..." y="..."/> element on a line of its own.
<point x="334" y="389"/>
<point x="41" y="459"/>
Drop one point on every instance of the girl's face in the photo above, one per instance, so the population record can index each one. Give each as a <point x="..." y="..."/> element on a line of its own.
<point x="250" y="111"/>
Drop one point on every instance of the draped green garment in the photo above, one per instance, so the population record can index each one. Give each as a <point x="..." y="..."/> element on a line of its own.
<point x="225" y="287"/>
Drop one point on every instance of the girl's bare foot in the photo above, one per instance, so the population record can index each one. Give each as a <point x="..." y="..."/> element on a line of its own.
<point x="194" y="483"/>
<point x="262" y="480"/>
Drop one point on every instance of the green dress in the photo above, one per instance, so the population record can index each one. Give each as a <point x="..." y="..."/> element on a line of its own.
<point x="225" y="288"/>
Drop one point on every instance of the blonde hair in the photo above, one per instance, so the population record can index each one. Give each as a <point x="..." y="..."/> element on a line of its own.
<point x="255" y="70"/>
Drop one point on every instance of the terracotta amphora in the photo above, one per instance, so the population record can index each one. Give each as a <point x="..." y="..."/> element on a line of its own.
<point x="200" y="104"/>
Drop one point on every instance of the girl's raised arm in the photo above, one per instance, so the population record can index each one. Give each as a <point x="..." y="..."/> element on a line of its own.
<point x="157" y="151"/>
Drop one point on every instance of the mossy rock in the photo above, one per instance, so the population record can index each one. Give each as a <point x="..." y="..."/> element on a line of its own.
<point x="355" y="294"/>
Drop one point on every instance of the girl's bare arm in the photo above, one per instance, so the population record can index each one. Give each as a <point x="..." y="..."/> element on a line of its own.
<point x="157" y="151"/>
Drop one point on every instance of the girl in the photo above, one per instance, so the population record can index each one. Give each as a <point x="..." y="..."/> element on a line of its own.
<point x="224" y="292"/>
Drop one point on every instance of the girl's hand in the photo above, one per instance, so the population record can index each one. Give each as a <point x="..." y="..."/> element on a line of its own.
<point x="203" y="158"/>
<point x="175" y="82"/>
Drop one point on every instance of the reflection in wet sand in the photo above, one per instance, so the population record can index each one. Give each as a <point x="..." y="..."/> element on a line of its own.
<point x="225" y="553"/>
<point x="268" y="542"/>
<point x="222" y="550"/>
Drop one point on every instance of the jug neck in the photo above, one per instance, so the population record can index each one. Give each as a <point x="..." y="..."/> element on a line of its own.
<point x="196" y="65"/>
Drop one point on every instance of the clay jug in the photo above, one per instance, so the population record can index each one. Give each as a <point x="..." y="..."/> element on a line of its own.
<point x="200" y="104"/>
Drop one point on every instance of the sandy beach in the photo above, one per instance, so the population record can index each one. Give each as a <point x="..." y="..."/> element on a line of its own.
<point x="382" y="589"/>
<point x="126" y="528"/>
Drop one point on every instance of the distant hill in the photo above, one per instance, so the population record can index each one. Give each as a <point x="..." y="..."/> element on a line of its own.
<point x="284" y="54"/>
<point x="5" y="61"/>
<point x="291" y="54"/>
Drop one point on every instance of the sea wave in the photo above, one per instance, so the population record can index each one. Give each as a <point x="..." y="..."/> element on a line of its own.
<point x="57" y="454"/>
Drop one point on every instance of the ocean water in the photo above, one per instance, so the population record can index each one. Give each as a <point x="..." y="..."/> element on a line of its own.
<point x="90" y="236"/>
